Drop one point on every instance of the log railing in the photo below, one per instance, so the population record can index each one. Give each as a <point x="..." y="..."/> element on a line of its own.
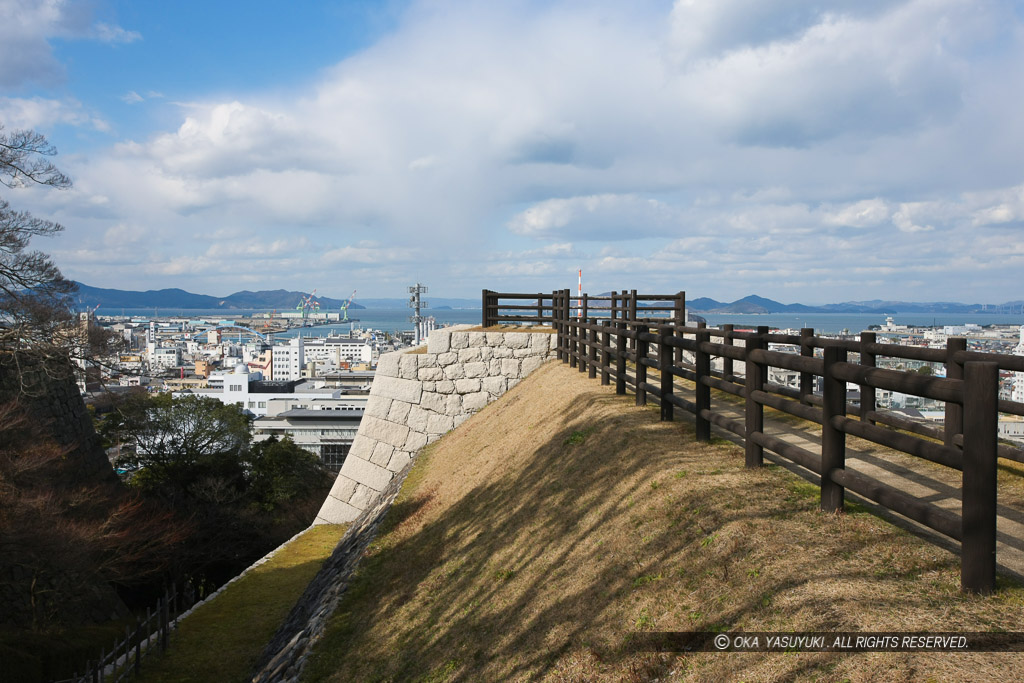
<point x="641" y="348"/>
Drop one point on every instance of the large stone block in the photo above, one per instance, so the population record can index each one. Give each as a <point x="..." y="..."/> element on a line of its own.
<point x="455" y="371"/>
<point x="440" y="424"/>
<point x="475" y="369"/>
<point x="408" y="364"/>
<point x="416" y="441"/>
<point x="460" y="340"/>
<point x="495" y="386"/>
<point x="364" y="497"/>
<point x="445" y="359"/>
<point x="477" y="339"/>
<point x="435" y="402"/>
<point x="530" y="364"/>
<point x="445" y="386"/>
<point x="382" y="453"/>
<point x="343" y="489"/>
<point x="501" y="352"/>
<point x="474" y="402"/>
<point x="540" y="343"/>
<point x="510" y="367"/>
<point x="431" y="374"/>
<point x="467" y="386"/>
<point x="454" y="405"/>
<point x="417" y="420"/>
<point x="362" y="446"/>
<point x="399" y="460"/>
<point x="517" y="340"/>
<point x="387" y="365"/>
<point x="381" y="430"/>
<point x="377" y="406"/>
<point x="439" y="341"/>
<point x="335" y="511"/>
<point x="399" y="412"/>
<point x="469" y="355"/>
<point x="395" y="388"/>
<point x="365" y="472"/>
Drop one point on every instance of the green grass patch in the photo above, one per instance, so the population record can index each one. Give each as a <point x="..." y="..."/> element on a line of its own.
<point x="222" y="639"/>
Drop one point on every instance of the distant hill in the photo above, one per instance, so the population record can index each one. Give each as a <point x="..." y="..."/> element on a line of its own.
<point x="178" y="298"/>
<point x="284" y="299"/>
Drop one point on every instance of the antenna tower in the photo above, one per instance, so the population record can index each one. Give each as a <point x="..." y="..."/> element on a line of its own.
<point x="416" y="304"/>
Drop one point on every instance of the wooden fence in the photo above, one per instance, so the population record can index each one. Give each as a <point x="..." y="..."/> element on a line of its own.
<point x="124" y="659"/>
<point x="625" y="341"/>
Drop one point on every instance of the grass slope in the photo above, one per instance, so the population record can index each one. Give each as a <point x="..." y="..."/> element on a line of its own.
<point x="223" y="638"/>
<point x="532" y="541"/>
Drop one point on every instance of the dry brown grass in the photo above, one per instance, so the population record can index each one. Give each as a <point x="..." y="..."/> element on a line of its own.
<point x="529" y="544"/>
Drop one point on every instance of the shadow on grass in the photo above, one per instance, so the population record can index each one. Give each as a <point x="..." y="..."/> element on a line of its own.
<point x="556" y="558"/>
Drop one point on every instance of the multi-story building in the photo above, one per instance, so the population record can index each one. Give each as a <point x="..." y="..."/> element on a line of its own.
<point x="287" y="360"/>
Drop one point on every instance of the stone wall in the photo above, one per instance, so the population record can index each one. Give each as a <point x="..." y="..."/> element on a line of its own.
<point x="417" y="397"/>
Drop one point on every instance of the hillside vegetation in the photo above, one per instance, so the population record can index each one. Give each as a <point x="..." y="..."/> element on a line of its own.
<point x="536" y="539"/>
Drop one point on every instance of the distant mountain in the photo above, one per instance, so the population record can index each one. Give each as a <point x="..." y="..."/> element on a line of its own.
<point x="178" y="298"/>
<point x="757" y="304"/>
<point x="283" y="300"/>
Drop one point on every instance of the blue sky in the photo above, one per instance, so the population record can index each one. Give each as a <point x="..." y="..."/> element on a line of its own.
<point x="726" y="147"/>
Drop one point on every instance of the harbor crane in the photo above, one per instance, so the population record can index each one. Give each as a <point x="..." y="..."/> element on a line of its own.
<point x="344" y="307"/>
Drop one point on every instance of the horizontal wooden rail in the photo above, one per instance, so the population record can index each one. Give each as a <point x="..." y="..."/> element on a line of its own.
<point x="608" y="335"/>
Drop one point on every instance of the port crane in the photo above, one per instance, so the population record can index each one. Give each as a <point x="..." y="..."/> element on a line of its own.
<point x="344" y="307"/>
<point x="308" y="302"/>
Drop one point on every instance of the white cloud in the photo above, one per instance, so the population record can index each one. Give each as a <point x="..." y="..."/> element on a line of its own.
<point x="132" y="97"/>
<point x="42" y="113"/>
<point x="109" y="33"/>
<point x="26" y="27"/>
<point x="729" y="144"/>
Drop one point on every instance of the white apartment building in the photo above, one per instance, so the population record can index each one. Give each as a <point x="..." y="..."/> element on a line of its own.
<point x="287" y="361"/>
<point x="163" y="358"/>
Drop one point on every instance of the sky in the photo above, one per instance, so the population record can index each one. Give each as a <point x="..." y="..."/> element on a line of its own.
<point x="805" y="152"/>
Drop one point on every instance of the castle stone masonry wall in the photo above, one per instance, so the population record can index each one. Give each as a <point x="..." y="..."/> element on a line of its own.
<point x="417" y="397"/>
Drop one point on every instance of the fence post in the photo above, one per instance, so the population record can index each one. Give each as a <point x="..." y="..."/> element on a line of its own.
<point x="665" y="365"/>
<point x="620" y="358"/>
<point x="592" y="356"/>
<point x="642" y="347"/>
<point x="833" y="441"/>
<point x="631" y="315"/>
<point x="613" y="312"/>
<point x="485" y="319"/>
<point x="954" y="370"/>
<point x="727" y="371"/>
<point x="679" y="314"/>
<point x="164" y="635"/>
<point x="606" y="354"/>
<point x="702" y="392"/>
<point x="868" y="394"/>
<point x="754" y="411"/>
<point x="978" y="512"/>
<point x="574" y="344"/>
<point x="565" y="321"/>
<point x="806" y="378"/>
<point x="138" y="646"/>
<point x="540" y="310"/>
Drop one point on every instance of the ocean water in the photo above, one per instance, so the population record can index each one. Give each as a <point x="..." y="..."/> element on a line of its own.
<point x="394" y="319"/>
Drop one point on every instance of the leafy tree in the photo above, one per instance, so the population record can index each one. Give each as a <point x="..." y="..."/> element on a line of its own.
<point x="193" y="445"/>
<point x="280" y="472"/>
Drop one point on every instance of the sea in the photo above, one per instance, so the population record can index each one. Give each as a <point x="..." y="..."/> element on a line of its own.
<point x="396" y="319"/>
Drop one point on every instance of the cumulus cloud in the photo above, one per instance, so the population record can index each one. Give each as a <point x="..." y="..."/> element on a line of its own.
<point x="651" y="146"/>
<point x="26" y="28"/>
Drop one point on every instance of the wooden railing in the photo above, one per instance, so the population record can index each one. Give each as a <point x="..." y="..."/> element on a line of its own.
<point x="625" y="343"/>
<point x="124" y="658"/>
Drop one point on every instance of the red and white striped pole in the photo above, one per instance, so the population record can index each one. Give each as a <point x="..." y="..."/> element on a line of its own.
<point x="579" y="301"/>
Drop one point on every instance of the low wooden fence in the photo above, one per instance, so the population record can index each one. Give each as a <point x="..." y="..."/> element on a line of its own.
<point x="625" y="342"/>
<point x="124" y="659"/>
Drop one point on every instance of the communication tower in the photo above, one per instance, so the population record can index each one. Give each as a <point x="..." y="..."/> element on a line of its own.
<point x="416" y="303"/>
